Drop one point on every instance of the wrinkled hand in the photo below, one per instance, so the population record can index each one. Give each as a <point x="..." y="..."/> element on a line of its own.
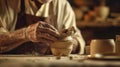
<point x="42" y="32"/>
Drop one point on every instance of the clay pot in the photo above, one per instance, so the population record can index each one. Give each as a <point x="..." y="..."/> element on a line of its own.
<point x="62" y="47"/>
<point x="102" y="46"/>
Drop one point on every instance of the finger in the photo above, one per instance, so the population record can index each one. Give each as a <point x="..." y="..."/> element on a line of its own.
<point x="51" y="27"/>
<point x="44" y="25"/>
<point x="46" y="36"/>
<point x="49" y="31"/>
<point x="47" y="26"/>
<point x="43" y="40"/>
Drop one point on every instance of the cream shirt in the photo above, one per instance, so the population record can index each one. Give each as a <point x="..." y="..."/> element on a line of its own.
<point x="62" y="16"/>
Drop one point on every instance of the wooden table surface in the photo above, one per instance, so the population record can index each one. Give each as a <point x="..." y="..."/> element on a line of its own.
<point x="51" y="61"/>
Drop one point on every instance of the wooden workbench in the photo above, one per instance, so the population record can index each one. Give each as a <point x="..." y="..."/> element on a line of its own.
<point x="51" y="61"/>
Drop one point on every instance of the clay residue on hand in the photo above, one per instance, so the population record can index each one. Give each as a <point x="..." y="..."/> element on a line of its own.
<point x="66" y="33"/>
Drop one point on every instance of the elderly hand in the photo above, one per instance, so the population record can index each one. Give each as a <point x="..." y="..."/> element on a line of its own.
<point x="42" y="32"/>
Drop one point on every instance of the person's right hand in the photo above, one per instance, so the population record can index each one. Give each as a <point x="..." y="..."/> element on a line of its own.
<point x="42" y="32"/>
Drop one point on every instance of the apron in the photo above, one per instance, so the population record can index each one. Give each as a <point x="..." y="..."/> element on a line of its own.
<point x="29" y="47"/>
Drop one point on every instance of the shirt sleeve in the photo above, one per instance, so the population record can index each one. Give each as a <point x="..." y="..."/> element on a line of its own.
<point x="66" y="19"/>
<point x="8" y="15"/>
<point x="2" y="29"/>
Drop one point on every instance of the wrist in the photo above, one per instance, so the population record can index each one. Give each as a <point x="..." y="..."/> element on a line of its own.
<point x="31" y="33"/>
<point x="19" y="34"/>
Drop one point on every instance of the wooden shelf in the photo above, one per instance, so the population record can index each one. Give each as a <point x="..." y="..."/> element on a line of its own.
<point x="96" y="30"/>
<point x="98" y="24"/>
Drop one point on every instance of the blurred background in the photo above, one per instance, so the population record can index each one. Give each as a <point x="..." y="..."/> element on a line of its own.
<point x="97" y="19"/>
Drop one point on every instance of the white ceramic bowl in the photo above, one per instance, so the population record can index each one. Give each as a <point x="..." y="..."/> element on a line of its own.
<point x="63" y="47"/>
<point x="102" y="46"/>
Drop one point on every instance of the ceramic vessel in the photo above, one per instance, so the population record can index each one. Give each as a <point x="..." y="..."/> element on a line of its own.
<point x="102" y="46"/>
<point x="62" y="47"/>
<point x="103" y="12"/>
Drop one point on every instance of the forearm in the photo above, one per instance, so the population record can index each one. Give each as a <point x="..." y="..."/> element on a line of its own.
<point x="9" y="41"/>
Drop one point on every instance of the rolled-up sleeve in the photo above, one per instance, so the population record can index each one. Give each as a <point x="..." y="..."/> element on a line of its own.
<point x="2" y="29"/>
<point x="3" y="15"/>
<point x="66" y="19"/>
